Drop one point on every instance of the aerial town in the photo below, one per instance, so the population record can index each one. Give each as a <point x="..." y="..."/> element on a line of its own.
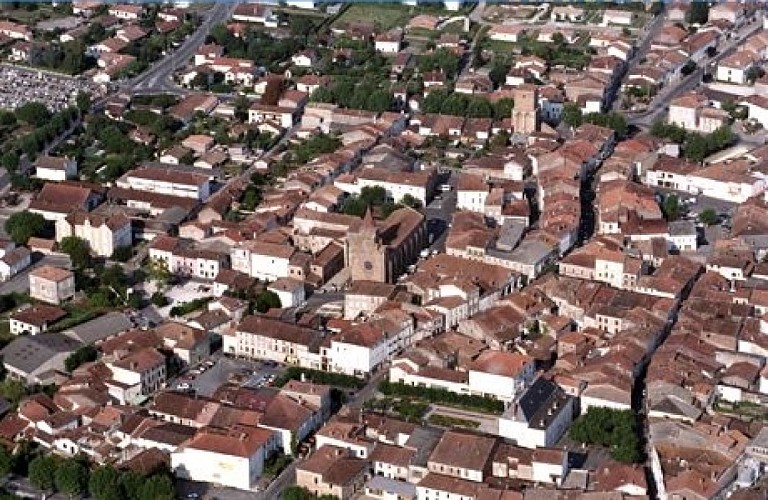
<point x="387" y="251"/>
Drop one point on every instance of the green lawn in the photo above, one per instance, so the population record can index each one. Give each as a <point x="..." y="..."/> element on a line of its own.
<point x="385" y="16"/>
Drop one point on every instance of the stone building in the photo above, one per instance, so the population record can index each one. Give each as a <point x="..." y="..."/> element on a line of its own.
<point x="382" y="252"/>
<point x="525" y="115"/>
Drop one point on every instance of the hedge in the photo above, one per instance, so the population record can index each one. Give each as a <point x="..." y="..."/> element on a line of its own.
<point x="441" y="396"/>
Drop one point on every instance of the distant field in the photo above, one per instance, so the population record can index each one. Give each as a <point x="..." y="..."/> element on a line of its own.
<point x="384" y="16"/>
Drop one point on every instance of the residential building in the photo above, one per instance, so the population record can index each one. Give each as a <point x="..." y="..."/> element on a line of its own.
<point x="103" y="233"/>
<point x="144" y="369"/>
<point x="231" y="457"/>
<point x="51" y="284"/>
<point x="55" y="168"/>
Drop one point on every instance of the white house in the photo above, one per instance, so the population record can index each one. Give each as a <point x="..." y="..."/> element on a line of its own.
<point x="262" y="260"/>
<point x="104" y="234"/>
<point x="500" y="375"/>
<point x="289" y="290"/>
<point x="14" y="261"/>
<point x="734" y="68"/>
<point x="168" y="181"/>
<point x="231" y="457"/>
<point x="390" y="42"/>
<point x="55" y="168"/>
<point x="539" y="417"/>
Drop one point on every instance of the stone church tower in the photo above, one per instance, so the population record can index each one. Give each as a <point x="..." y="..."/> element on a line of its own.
<point x="525" y="114"/>
<point x="366" y="255"/>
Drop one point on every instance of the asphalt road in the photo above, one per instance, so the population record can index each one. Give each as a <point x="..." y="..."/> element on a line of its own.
<point x="158" y="77"/>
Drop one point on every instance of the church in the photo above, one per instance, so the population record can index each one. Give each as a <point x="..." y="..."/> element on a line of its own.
<point x="382" y="251"/>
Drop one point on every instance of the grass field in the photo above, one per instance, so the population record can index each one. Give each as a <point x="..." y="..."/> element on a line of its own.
<point x="385" y="16"/>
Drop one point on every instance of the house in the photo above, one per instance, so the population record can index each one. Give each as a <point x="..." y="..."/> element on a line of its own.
<point x="389" y="42"/>
<point x="263" y="113"/>
<point x="103" y="233"/>
<point x="620" y="17"/>
<point x="34" y="319"/>
<point x="130" y="12"/>
<point x="190" y="345"/>
<point x="462" y="455"/>
<point x="51" y="284"/>
<point x="691" y="112"/>
<point x="255" y="13"/>
<point x="539" y="417"/>
<point x="304" y="59"/>
<point x="757" y="106"/>
<point x="232" y="457"/>
<point x="332" y="471"/>
<point x="262" y="260"/>
<point x="182" y="257"/>
<point x="506" y="32"/>
<point x="168" y="181"/>
<point x="567" y="13"/>
<point x="56" y="200"/>
<point x="143" y="369"/>
<point x="735" y="67"/>
<point x="15" y="31"/>
<point x="35" y="359"/>
<point x="14" y="261"/>
<point x="289" y="290"/>
<point x="732" y="12"/>
<point x="259" y="337"/>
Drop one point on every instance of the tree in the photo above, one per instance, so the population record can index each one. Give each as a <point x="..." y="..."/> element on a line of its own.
<point x="158" y="487"/>
<point x="78" y="251"/>
<point x="572" y="115"/>
<point x="408" y="200"/>
<point x="23" y="225"/>
<point x="71" y="478"/>
<point x="104" y="483"/>
<point x="122" y="254"/>
<point x="696" y="147"/>
<point x="42" y="472"/>
<point x="267" y="300"/>
<point x="479" y="108"/>
<point x="6" y="461"/>
<point x="698" y="13"/>
<point x="83" y="101"/>
<point x="85" y="354"/>
<point x="157" y="270"/>
<point x="754" y="73"/>
<point x="671" y="207"/>
<point x="689" y="68"/>
<point x="503" y="108"/>
<point x="610" y="428"/>
<point x="498" y="74"/>
<point x="159" y="299"/>
<point x="708" y="217"/>
<point x="33" y="113"/>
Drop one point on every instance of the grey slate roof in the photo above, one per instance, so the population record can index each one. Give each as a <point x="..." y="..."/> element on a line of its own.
<point x="30" y="352"/>
<point x="100" y="328"/>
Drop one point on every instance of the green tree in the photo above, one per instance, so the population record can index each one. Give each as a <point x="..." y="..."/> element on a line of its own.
<point x="6" y="461"/>
<point x="104" y="483"/>
<point x="696" y="147"/>
<point x="71" y="478"/>
<point x="708" y="217"/>
<point x="12" y="390"/>
<point x="158" y="487"/>
<point x="433" y="102"/>
<point x="122" y="254"/>
<point x="611" y="428"/>
<point x="157" y="270"/>
<point x="572" y="115"/>
<point x="267" y="300"/>
<point x="503" y="108"/>
<point x="498" y="74"/>
<point x="409" y="201"/>
<point x="42" y="472"/>
<point x="479" y="108"/>
<point x="85" y="354"/>
<point x="83" y="101"/>
<point x="78" y="251"/>
<point x="33" y="113"/>
<point x="689" y="68"/>
<point x="20" y="226"/>
<point x="671" y="207"/>
<point x="698" y="13"/>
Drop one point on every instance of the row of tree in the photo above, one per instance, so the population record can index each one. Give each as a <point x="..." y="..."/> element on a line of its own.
<point x="696" y="146"/>
<point x="458" y="104"/>
<point x="442" y="396"/>
<point x="366" y="95"/>
<point x="45" y="127"/>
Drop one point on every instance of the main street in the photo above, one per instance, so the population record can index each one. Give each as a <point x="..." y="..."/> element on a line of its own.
<point x="158" y="77"/>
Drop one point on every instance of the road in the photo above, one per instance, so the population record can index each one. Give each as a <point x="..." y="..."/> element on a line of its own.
<point x="158" y="77"/>
<point x="648" y="34"/>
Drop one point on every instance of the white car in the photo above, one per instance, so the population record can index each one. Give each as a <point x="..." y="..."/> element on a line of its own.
<point x="445" y="187"/>
<point x="183" y="386"/>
